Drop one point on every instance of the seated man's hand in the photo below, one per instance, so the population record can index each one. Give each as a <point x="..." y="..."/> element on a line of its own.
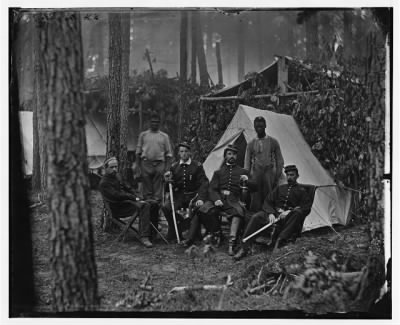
<point x="244" y="178"/>
<point x="199" y="203"/>
<point x="271" y="218"/>
<point x="168" y="176"/>
<point x="283" y="215"/>
<point x="218" y="203"/>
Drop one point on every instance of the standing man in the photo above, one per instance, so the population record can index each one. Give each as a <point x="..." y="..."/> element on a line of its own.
<point x="123" y="200"/>
<point x="225" y="192"/>
<point x="154" y="155"/>
<point x="287" y="206"/>
<point x="189" y="183"/>
<point x="264" y="162"/>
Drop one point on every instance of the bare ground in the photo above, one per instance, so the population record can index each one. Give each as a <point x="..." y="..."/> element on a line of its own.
<point x="123" y="266"/>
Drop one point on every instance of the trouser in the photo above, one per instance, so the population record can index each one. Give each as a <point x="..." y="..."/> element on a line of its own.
<point x="257" y="221"/>
<point x="144" y="219"/>
<point x="235" y="219"/>
<point x="265" y="177"/>
<point x="180" y="202"/>
<point x="210" y="222"/>
<point x="152" y="176"/>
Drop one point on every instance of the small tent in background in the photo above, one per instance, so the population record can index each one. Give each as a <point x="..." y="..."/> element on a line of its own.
<point x="96" y="138"/>
<point x="331" y="204"/>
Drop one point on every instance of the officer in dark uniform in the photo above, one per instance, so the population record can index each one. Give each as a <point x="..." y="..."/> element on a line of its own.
<point x="225" y="194"/>
<point x="287" y="206"/>
<point x="190" y="184"/>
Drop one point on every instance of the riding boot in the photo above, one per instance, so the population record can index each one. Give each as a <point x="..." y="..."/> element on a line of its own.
<point x="235" y="224"/>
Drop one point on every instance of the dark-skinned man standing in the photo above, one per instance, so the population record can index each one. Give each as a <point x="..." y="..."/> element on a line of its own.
<point x="287" y="206"/>
<point x="264" y="161"/>
<point x="154" y="155"/>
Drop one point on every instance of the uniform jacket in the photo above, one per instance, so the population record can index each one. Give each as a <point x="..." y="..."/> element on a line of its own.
<point x="115" y="192"/>
<point x="189" y="179"/>
<point x="288" y="197"/>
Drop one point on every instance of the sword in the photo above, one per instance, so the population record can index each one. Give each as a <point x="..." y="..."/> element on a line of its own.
<point x="257" y="232"/>
<point x="171" y="195"/>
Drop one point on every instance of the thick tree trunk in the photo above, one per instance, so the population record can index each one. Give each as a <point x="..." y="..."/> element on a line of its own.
<point x="348" y="34"/>
<point x="240" y="37"/>
<point x="204" y="77"/>
<point x="123" y="152"/>
<point x="22" y="296"/>
<point x="194" y="48"/>
<point x="183" y="45"/>
<point x="114" y="86"/>
<point x="327" y="37"/>
<point x="72" y="261"/>
<point x="39" y="114"/>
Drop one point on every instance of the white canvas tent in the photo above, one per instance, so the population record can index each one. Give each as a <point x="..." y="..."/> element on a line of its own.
<point x="331" y="204"/>
<point x="96" y="137"/>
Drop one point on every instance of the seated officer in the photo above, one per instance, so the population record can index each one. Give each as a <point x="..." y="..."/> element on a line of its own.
<point x="123" y="200"/>
<point x="189" y="183"/>
<point x="287" y="206"/>
<point x="225" y="194"/>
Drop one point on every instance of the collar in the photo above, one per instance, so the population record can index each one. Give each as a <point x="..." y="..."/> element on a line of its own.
<point x="188" y="162"/>
<point x="264" y="137"/>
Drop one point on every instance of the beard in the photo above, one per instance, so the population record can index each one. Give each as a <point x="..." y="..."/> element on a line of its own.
<point x="291" y="181"/>
<point x="231" y="160"/>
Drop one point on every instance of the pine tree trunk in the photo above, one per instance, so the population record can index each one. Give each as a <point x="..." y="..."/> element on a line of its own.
<point x="40" y="98"/>
<point x="123" y="152"/>
<point x="74" y="285"/>
<point x="348" y="34"/>
<point x="200" y="53"/>
<point x="114" y="86"/>
<point x="194" y="48"/>
<point x="22" y="296"/>
<point x="240" y="38"/>
<point x="183" y="45"/>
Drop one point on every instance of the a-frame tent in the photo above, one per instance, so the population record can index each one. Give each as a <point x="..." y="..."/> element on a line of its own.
<point x="331" y="203"/>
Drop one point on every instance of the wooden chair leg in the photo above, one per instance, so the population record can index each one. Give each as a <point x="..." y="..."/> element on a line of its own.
<point x="128" y="225"/>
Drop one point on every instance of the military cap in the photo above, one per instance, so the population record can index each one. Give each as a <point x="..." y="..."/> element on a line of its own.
<point x="184" y="144"/>
<point x="230" y="147"/>
<point x="290" y="168"/>
<point x="109" y="160"/>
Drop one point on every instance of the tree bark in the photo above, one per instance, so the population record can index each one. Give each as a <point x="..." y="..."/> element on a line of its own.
<point x="39" y="113"/>
<point x="22" y="296"/>
<point x="348" y="34"/>
<point x="194" y="48"/>
<point x="114" y="86"/>
<point x="123" y="152"/>
<point x="74" y="283"/>
<point x="183" y="45"/>
<point x="204" y="77"/>
<point x="36" y="181"/>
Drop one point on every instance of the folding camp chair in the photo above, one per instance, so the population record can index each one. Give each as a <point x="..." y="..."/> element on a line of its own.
<point x="108" y="218"/>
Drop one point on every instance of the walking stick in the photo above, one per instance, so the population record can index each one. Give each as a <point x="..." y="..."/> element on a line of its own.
<point x="171" y="195"/>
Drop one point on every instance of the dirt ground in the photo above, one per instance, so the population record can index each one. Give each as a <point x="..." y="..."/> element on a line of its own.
<point x="123" y="266"/>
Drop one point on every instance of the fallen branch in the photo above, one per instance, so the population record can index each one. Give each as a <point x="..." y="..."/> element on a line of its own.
<point x="275" y="286"/>
<point x="202" y="287"/>
<point x="221" y="299"/>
